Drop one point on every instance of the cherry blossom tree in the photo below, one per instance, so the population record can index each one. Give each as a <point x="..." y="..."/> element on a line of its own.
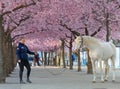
<point x="106" y="14"/>
<point x="7" y="8"/>
<point x="39" y="21"/>
<point x="83" y="16"/>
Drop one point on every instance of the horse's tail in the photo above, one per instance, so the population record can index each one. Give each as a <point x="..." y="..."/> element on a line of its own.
<point x="112" y="44"/>
<point x="113" y="58"/>
<point x="113" y="47"/>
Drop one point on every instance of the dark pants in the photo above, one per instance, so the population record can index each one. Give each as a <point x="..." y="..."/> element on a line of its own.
<point x="21" y="66"/>
<point x="36" y="61"/>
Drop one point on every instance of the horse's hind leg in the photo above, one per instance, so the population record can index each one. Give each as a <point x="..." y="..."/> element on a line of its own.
<point x="113" y="67"/>
<point x="106" y="70"/>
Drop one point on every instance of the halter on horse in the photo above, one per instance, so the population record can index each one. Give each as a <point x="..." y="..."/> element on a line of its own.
<point x="99" y="51"/>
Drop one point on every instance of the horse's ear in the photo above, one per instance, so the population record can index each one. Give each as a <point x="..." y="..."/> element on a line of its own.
<point x="76" y="36"/>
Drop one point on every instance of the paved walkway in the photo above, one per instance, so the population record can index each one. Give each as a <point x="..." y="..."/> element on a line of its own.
<point x="58" y="78"/>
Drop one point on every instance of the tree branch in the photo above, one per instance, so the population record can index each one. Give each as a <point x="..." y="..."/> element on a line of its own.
<point x="12" y="20"/>
<point x="67" y="36"/>
<point x="19" y="7"/>
<point x="70" y="29"/>
<point x="18" y="24"/>
<point x="86" y="30"/>
<point x="99" y="29"/>
<point x="13" y="39"/>
<point x="67" y="46"/>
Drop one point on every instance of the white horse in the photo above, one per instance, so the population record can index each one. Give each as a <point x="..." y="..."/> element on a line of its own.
<point x="99" y="51"/>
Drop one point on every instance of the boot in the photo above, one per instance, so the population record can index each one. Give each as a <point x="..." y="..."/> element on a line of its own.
<point x="28" y="80"/>
<point x="22" y="82"/>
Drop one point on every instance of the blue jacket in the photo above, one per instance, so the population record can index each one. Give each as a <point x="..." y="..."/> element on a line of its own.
<point x="73" y="57"/>
<point x="22" y="51"/>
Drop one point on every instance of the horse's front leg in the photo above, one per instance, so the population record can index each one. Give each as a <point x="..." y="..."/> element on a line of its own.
<point x="94" y="71"/>
<point x="101" y="71"/>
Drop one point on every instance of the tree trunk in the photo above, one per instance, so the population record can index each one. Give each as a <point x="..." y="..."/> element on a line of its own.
<point x="13" y="59"/>
<point x="2" y="72"/>
<point x="70" y="54"/>
<point x="11" y="54"/>
<point x="42" y="56"/>
<point x="79" y="62"/>
<point x="48" y="59"/>
<point x="107" y="27"/>
<point x="45" y="57"/>
<point x="7" y="60"/>
<point x="7" y="51"/>
<point x="55" y="59"/>
<point x="14" y="56"/>
<point x="63" y="54"/>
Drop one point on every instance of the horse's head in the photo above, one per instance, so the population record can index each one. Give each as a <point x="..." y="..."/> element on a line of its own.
<point x="78" y="42"/>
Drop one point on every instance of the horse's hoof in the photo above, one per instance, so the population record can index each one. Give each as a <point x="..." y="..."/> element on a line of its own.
<point x="106" y="80"/>
<point x="113" y="80"/>
<point x="94" y="81"/>
<point x="102" y="81"/>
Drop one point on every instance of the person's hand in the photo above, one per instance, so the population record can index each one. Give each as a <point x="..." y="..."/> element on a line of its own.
<point x="19" y="61"/>
<point x="35" y="53"/>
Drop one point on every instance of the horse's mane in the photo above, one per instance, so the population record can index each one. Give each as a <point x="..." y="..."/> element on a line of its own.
<point x="92" y="40"/>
